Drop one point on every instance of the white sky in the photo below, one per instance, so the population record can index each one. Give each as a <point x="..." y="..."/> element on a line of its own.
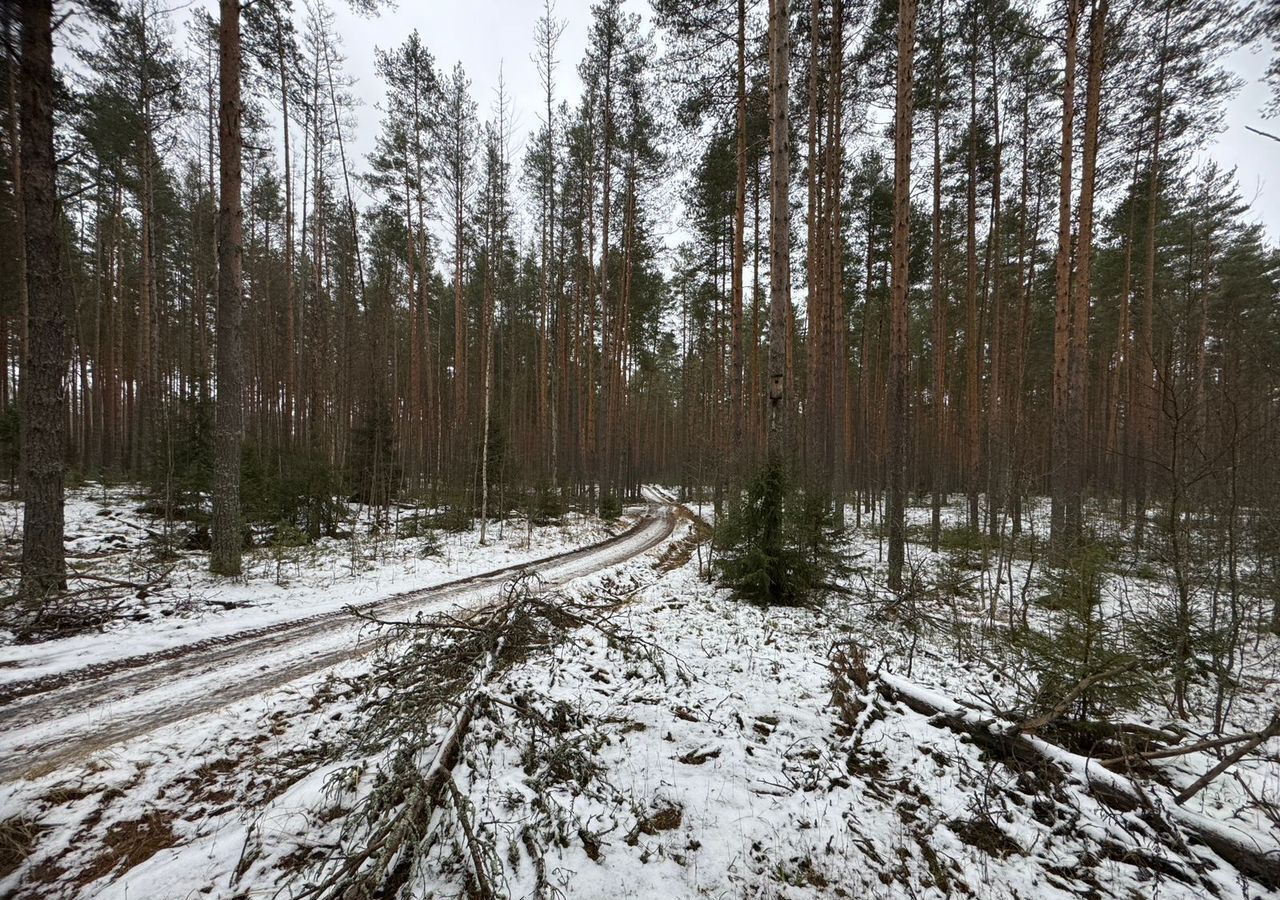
<point x="486" y="35"/>
<point x="1255" y="158"/>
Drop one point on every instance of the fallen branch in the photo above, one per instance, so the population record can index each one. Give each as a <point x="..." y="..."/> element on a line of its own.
<point x="483" y="889"/>
<point x="382" y="865"/>
<point x="435" y="677"/>
<point x="1265" y="734"/>
<point x="117" y="582"/>
<point x="1259" y="862"/>
<point x="1060" y="708"/>
<point x="1211" y="744"/>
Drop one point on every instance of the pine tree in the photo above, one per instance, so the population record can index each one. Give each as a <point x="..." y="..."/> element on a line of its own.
<point x="44" y="360"/>
<point x="228" y="424"/>
<point x="898" y="410"/>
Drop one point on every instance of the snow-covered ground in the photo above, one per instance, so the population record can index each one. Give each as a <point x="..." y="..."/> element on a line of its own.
<point x="108" y="535"/>
<point x="722" y="768"/>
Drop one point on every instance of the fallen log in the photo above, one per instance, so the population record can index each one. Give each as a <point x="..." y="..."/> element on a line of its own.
<point x="1248" y="854"/>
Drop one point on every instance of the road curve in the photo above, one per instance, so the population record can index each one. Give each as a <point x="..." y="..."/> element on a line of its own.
<point x="48" y="722"/>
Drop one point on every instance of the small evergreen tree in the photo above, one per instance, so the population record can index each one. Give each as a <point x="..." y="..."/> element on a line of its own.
<point x="1084" y="639"/>
<point x="294" y="489"/>
<point x="779" y="545"/>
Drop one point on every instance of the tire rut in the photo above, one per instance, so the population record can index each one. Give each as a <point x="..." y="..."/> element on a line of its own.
<point x="210" y="665"/>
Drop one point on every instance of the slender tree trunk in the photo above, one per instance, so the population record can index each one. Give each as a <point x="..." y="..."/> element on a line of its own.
<point x="995" y="256"/>
<point x="736" y="410"/>
<point x="1062" y="449"/>
<point x="290" y="291"/>
<point x="898" y="412"/>
<point x="779" y="274"/>
<point x="939" y="309"/>
<point x="44" y="421"/>
<point x="972" y="326"/>
<point x="487" y="354"/>
<point x="1146" y="401"/>
<point x="1073" y="512"/>
<point x="229" y="422"/>
<point x="15" y="176"/>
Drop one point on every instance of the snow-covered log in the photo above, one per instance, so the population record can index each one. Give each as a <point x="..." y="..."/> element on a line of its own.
<point x="1251" y="855"/>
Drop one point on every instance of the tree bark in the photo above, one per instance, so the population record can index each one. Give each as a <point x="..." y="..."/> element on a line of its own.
<point x="1062" y="449"/>
<point x="780" y="221"/>
<point x="739" y="236"/>
<point x="1073" y="501"/>
<point x="44" y="422"/>
<point x="939" y="309"/>
<point x="229" y="414"/>
<point x="972" y="327"/>
<point x="899" y="348"/>
<point x="1145" y="358"/>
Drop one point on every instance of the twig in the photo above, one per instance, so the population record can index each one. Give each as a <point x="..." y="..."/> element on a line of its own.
<point x="1261" y="132"/>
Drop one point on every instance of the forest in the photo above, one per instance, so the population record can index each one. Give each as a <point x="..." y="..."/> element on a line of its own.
<point x="759" y="448"/>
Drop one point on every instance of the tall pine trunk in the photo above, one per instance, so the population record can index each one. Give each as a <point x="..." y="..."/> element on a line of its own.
<point x="1073" y="501"/>
<point x="1062" y="450"/>
<point x="44" y="423"/>
<point x="779" y="277"/>
<point x="898" y="413"/>
<point x="739" y="235"/>
<point x="229" y="416"/>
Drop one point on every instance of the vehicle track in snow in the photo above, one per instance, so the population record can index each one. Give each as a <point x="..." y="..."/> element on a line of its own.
<point x="50" y="721"/>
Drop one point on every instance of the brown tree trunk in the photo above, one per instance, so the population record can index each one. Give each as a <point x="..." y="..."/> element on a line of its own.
<point x="1062" y="449"/>
<point x="15" y="176"/>
<point x="899" y="348"/>
<point x="229" y="420"/>
<point x="1073" y="511"/>
<point x="779" y="221"/>
<point x="736" y="411"/>
<point x="939" y="326"/>
<point x="1146" y="402"/>
<point x="44" y="422"/>
<point x="972" y="328"/>
<point x="290" y="291"/>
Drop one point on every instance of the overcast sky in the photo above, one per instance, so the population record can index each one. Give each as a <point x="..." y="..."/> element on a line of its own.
<point x="1255" y="158"/>
<point x="488" y="34"/>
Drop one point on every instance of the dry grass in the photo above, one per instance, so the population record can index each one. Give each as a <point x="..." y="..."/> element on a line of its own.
<point x="128" y="844"/>
<point x="18" y="838"/>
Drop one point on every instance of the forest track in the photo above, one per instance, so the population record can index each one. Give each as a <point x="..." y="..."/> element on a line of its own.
<point x="50" y="721"/>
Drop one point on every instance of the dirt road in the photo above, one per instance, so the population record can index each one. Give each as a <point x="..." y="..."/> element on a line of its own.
<point x="47" y="722"/>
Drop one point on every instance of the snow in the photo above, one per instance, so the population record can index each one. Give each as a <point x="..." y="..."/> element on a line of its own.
<point x="107" y="536"/>
<point x="725" y="771"/>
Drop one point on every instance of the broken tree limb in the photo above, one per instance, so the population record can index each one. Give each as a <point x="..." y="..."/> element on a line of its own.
<point x="1263" y="133"/>
<point x="385" y="862"/>
<point x="1211" y="744"/>
<point x="1061" y="707"/>
<point x="1249" y="854"/>
<point x="483" y="888"/>
<point x="1235" y="756"/>
<point x="118" y="582"/>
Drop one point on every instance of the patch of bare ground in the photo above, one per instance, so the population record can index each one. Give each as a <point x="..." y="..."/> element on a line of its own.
<point x="679" y="552"/>
<point x="128" y="844"/>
